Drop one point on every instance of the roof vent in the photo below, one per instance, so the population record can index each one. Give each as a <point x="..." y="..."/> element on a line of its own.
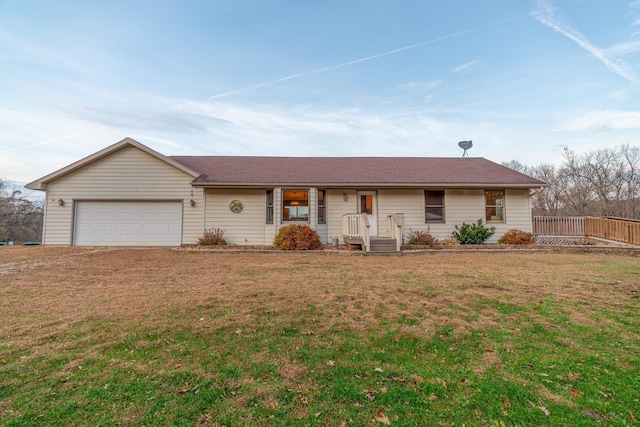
<point x="465" y="145"/>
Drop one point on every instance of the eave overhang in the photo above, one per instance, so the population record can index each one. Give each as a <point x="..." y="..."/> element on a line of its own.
<point x="365" y="185"/>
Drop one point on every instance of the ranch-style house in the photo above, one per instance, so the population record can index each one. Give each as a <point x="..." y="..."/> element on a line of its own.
<point x="130" y="195"/>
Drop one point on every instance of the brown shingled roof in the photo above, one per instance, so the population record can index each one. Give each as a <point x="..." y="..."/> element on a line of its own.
<point x="361" y="171"/>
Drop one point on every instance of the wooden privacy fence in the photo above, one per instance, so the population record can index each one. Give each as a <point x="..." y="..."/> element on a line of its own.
<point x="608" y="228"/>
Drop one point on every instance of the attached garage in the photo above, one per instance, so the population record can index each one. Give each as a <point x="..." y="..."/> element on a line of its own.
<point x="123" y="195"/>
<point x="128" y="223"/>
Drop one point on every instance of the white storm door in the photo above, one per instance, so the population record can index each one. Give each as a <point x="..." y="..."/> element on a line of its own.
<point x="368" y="204"/>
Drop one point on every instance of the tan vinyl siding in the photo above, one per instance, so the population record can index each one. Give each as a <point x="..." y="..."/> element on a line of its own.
<point x="336" y="208"/>
<point x="518" y="213"/>
<point x="321" y="229"/>
<point x="269" y="234"/>
<point x="461" y="205"/>
<point x="247" y="227"/>
<point x="410" y="203"/>
<point x="127" y="174"/>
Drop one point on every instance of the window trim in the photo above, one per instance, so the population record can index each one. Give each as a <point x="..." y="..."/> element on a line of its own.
<point x="322" y="219"/>
<point x="442" y="206"/>
<point x="497" y="207"/>
<point x="296" y="220"/>
<point x="270" y="201"/>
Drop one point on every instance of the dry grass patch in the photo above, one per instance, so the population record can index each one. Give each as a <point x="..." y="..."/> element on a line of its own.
<point x="298" y="339"/>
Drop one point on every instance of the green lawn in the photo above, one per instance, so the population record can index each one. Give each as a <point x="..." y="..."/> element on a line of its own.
<point x="156" y="337"/>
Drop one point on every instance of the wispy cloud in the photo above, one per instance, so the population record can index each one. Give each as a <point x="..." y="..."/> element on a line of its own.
<point x="461" y="69"/>
<point x="419" y="85"/>
<point x="38" y="54"/>
<point x="624" y="48"/>
<point x="635" y="5"/>
<point x="274" y="129"/>
<point x="465" y="67"/>
<point x="545" y="15"/>
<point x="127" y="121"/>
<point x="605" y="120"/>
<point x="156" y="140"/>
<point x="618" y="95"/>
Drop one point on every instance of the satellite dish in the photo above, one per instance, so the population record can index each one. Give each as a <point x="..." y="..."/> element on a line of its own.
<point x="465" y="145"/>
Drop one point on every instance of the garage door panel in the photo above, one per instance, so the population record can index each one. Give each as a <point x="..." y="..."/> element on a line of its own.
<point x="122" y="223"/>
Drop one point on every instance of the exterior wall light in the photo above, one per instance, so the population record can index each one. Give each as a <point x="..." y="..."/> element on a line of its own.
<point x="60" y="202"/>
<point x="345" y="196"/>
<point x="192" y="202"/>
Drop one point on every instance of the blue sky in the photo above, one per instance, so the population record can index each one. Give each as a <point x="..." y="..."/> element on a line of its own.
<point x="520" y="78"/>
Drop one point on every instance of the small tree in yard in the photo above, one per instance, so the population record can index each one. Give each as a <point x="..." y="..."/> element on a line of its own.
<point x="473" y="234"/>
<point x="297" y="237"/>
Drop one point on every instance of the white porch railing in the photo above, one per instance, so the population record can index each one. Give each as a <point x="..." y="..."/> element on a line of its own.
<point x="357" y="226"/>
<point x="395" y="224"/>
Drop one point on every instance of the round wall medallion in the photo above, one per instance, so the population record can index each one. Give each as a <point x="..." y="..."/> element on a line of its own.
<point x="236" y="206"/>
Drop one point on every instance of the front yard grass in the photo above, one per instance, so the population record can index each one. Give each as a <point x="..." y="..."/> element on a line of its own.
<point x="157" y="337"/>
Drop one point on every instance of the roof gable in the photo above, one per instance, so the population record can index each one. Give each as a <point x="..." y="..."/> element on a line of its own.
<point x="41" y="184"/>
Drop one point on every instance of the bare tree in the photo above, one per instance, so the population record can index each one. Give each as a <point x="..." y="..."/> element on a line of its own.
<point x="605" y="181"/>
<point x="630" y="181"/>
<point x="547" y="201"/>
<point x="20" y="218"/>
<point x="517" y="166"/>
<point x="602" y="182"/>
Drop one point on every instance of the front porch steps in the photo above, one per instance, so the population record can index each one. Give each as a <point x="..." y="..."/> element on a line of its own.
<point x="383" y="246"/>
<point x="379" y="245"/>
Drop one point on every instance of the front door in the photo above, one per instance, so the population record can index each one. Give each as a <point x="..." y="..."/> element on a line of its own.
<point x="367" y="204"/>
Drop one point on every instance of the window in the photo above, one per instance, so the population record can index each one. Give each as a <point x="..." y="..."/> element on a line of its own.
<point x="269" y="206"/>
<point x="494" y="202"/>
<point x="366" y="204"/>
<point x="322" y="219"/>
<point x="434" y="206"/>
<point x="295" y="205"/>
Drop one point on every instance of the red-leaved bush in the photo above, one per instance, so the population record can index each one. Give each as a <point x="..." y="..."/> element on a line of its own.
<point x="517" y="237"/>
<point x="296" y="237"/>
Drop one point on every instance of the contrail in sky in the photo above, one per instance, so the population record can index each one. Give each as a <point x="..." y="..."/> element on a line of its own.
<point x="344" y="64"/>
<point x="618" y="66"/>
<point x="366" y="58"/>
<point x="303" y="74"/>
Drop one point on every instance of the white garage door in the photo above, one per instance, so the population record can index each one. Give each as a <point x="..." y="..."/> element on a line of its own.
<point x="123" y="223"/>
